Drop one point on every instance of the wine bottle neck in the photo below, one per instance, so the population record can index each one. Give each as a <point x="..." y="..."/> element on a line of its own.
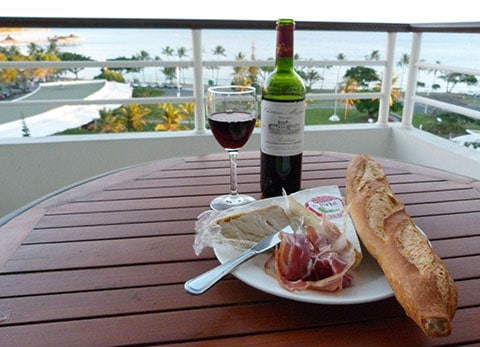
<point x="284" y="47"/>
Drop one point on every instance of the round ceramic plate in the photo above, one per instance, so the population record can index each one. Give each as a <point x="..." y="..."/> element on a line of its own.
<point x="369" y="281"/>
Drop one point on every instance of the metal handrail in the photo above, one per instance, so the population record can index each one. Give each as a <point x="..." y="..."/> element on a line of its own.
<point x="149" y="100"/>
<point x="159" y="23"/>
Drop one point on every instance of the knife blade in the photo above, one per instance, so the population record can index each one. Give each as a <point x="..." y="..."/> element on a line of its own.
<point x="203" y="282"/>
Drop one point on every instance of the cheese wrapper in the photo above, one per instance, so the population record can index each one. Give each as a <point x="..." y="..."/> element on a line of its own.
<point x="328" y="201"/>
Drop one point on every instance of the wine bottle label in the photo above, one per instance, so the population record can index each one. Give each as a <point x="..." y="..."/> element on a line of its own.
<point x="282" y="127"/>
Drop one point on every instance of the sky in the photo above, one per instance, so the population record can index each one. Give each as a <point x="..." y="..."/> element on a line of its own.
<point x="383" y="11"/>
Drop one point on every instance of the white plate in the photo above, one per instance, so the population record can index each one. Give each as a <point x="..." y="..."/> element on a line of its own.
<point x="369" y="282"/>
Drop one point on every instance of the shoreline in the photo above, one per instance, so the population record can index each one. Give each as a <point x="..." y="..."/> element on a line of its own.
<point x="21" y="36"/>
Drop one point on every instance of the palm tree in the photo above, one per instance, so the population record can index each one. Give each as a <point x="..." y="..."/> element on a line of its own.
<point x="52" y="47"/>
<point x="403" y="62"/>
<point x="134" y="115"/>
<point x="12" y="51"/>
<point x="217" y="52"/>
<point x="172" y="119"/>
<point x="432" y="85"/>
<point x="435" y="71"/>
<point x="240" y="72"/>
<point x="157" y="58"/>
<point x="109" y="122"/>
<point x="188" y="112"/>
<point x="310" y="76"/>
<point x="168" y="51"/>
<point x="324" y="70"/>
<point x="340" y="56"/>
<point x="374" y="55"/>
<point x="349" y="86"/>
<point x="144" y="56"/>
<point x="182" y="53"/>
<point x="34" y="48"/>
<point x="169" y="72"/>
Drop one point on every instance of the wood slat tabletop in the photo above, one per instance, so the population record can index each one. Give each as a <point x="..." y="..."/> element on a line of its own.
<point x="103" y="262"/>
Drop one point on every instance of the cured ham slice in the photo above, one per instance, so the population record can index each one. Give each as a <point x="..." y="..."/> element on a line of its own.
<point x="317" y="258"/>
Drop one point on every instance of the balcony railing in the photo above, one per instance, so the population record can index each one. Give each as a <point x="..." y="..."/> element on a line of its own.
<point x="35" y="166"/>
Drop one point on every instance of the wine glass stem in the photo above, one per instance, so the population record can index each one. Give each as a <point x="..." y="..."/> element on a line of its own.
<point x="233" y="172"/>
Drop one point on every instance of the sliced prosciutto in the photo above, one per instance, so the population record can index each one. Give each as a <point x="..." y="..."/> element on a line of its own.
<point x="319" y="258"/>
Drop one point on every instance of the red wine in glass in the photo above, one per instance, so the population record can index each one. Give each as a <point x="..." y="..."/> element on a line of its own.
<point x="232" y="129"/>
<point x="232" y="114"/>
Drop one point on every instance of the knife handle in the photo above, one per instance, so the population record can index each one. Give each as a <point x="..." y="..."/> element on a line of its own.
<point x="203" y="282"/>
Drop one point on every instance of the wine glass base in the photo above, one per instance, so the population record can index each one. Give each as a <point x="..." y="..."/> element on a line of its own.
<point x="225" y="202"/>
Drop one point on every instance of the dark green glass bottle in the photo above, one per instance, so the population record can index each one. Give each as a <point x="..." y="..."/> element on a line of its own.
<point x="283" y="120"/>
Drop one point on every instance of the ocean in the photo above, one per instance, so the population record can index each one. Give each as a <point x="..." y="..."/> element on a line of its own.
<point x="100" y="44"/>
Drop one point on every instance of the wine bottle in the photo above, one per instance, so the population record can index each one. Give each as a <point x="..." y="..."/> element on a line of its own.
<point x="282" y="120"/>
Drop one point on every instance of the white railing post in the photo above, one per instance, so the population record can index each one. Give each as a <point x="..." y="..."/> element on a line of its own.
<point x="198" y="81"/>
<point x="384" y="107"/>
<point x="408" y="105"/>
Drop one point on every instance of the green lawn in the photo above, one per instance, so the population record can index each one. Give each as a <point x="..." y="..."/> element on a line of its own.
<point x="441" y="124"/>
<point x="319" y="112"/>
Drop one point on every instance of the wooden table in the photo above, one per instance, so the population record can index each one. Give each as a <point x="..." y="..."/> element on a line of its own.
<point x="104" y="263"/>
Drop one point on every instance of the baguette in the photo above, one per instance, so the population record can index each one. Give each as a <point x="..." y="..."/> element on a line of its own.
<point x="418" y="277"/>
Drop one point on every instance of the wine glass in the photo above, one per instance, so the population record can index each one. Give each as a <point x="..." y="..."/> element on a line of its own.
<point x="232" y="114"/>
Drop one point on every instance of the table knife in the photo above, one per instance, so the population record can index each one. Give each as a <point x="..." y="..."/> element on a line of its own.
<point x="203" y="282"/>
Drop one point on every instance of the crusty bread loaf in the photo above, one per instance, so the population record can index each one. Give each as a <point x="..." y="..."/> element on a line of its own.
<point x="417" y="275"/>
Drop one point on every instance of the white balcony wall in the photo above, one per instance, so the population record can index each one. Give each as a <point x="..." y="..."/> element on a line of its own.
<point x="34" y="167"/>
